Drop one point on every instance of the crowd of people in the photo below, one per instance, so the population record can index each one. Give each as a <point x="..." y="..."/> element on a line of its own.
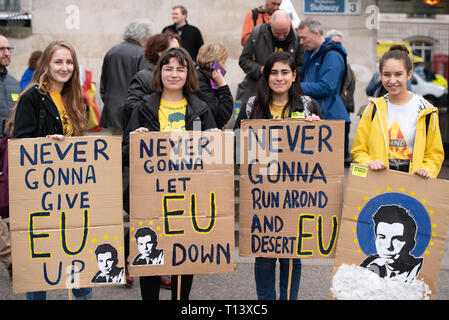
<point x="165" y="81"/>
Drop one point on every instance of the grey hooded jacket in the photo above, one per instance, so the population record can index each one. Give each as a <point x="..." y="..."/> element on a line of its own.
<point x="9" y="94"/>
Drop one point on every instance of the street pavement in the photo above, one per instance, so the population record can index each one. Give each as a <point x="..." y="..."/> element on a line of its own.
<point x="239" y="285"/>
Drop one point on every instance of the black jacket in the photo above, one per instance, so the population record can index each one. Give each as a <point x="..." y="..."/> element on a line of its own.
<point x="256" y="51"/>
<point x="219" y="100"/>
<point x="120" y="64"/>
<point x="139" y="87"/>
<point x="31" y="106"/>
<point x="191" y="38"/>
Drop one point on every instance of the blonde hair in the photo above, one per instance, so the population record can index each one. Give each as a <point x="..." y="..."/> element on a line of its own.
<point x="71" y="93"/>
<point x="210" y="52"/>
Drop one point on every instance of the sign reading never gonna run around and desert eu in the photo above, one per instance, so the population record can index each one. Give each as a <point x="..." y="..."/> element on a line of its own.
<point x="291" y="188"/>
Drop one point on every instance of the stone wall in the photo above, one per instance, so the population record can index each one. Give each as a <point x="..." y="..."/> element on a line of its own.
<point x="95" y="26"/>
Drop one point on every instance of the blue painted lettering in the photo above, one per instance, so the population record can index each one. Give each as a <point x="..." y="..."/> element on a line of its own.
<point x="64" y="233"/>
<point x="201" y="254"/>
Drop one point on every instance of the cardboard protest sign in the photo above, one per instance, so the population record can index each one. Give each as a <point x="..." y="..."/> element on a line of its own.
<point x="66" y="214"/>
<point x="392" y="236"/>
<point x="181" y="203"/>
<point x="291" y="187"/>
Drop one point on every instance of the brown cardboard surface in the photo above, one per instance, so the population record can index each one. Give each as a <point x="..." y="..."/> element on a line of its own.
<point x="65" y="201"/>
<point x="189" y="208"/>
<point x="426" y="202"/>
<point x="291" y="188"/>
<point x="30" y="274"/>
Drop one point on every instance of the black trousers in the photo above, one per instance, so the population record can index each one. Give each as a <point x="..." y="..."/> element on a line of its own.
<point x="347" y="149"/>
<point x="151" y="285"/>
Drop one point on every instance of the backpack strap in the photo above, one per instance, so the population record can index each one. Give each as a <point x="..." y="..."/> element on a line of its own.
<point x="295" y="39"/>
<point x="255" y="34"/>
<point x="255" y="13"/>
<point x="373" y="112"/>
<point x="428" y="121"/>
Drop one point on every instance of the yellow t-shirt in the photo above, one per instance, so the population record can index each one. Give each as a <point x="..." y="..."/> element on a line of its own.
<point x="172" y="115"/>
<point x="66" y="123"/>
<point x="276" y="111"/>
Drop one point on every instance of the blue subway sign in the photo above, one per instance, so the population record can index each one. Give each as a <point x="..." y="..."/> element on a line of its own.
<point x="343" y="7"/>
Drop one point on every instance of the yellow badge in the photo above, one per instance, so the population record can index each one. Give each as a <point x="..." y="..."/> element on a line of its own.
<point x="14" y="97"/>
<point x="360" y="171"/>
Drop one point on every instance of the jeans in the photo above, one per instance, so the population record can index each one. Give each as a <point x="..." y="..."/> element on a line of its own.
<point x="265" y="274"/>
<point x="79" y="294"/>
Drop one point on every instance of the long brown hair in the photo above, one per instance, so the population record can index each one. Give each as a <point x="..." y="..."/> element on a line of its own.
<point x="72" y="95"/>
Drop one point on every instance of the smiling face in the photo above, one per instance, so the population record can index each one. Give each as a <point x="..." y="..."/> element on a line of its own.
<point x="61" y="67"/>
<point x="281" y="78"/>
<point x="390" y="240"/>
<point x="394" y="77"/>
<point x="173" y="75"/>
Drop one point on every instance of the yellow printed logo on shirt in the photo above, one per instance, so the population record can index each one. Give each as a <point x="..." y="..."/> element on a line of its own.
<point x="398" y="147"/>
<point x="172" y="115"/>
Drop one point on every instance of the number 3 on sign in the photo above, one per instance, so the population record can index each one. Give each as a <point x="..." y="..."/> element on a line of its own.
<point x="353" y="7"/>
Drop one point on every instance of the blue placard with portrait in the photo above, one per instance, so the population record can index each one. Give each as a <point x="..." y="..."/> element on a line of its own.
<point x="366" y="224"/>
<point x="392" y="237"/>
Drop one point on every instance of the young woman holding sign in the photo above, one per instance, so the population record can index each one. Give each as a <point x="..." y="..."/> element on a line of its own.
<point x="399" y="131"/>
<point x="52" y="106"/>
<point x="174" y="83"/>
<point x="278" y="96"/>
